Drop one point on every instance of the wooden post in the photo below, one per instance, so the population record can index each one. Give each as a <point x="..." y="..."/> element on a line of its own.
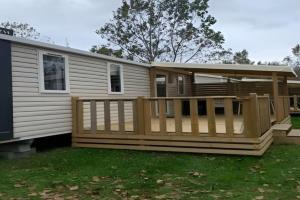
<point x="295" y="103"/>
<point x="80" y="112"/>
<point x="140" y="115"/>
<point x="211" y="116"/>
<point x="268" y="109"/>
<point x="107" y="116"/>
<point x="74" y="116"/>
<point x="254" y="117"/>
<point x="147" y="116"/>
<point x="228" y="116"/>
<point x="121" y="116"/>
<point x="194" y="116"/>
<point x="93" y="111"/>
<point x="285" y="86"/>
<point x="178" y="117"/>
<point x="162" y="116"/>
<point x="276" y="96"/>
<point x="152" y="75"/>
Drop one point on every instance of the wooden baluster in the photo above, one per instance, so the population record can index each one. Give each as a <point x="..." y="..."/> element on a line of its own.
<point x="211" y="117"/>
<point x="228" y="117"/>
<point x="107" y="116"/>
<point x="147" y="116"/>
<point x="194" y="116"/>
<point x="162" y="116"/>
<point x="121" y="116"/>
<point x="178" y="115"/>
<point x="93" y="111"/>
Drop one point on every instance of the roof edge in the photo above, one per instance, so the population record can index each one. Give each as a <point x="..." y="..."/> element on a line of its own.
<point x="69" y="50"/>
<point x="236" y="67"/>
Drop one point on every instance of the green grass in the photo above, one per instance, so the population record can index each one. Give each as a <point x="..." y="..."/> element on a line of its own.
<point x="121" y="174"/>
<point x="296" y="122"/>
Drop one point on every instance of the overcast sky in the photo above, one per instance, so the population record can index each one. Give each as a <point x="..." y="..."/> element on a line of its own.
<point x="268" y="29"/>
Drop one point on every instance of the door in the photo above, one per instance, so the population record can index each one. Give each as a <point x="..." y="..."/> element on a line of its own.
<point x="161" y="90"/>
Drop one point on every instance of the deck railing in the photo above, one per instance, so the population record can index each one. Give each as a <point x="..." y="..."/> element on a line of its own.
<point x="283" y="107"/>
<point x="216" y="116"/>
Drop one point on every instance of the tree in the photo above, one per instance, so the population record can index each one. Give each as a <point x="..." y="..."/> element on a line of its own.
<point x="241" y="57"/>
<point x="294" y="60"/>
<point x="274" y="63"/>
<point x="296" y="50"/>
<point x="107" y="51"/>
<point x="164" y="30"/>
<point x="23" y="30"/>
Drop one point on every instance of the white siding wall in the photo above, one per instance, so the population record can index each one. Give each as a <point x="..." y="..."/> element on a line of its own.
<point x="37" y="114"/>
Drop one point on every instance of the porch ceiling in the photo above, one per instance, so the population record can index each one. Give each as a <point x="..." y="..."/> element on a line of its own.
<point x="228" y="69"/>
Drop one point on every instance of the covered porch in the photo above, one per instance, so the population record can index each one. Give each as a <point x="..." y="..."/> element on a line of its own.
<point x="183" y="122"/>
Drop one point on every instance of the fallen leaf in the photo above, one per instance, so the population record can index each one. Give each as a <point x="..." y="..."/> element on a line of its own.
<point x="96" y="179"/>
<point x="73" y="188"/>
<point x="18" y="185"/>
<point x="134" y="197"/>
<point x="298" y="188"/>
<point x="34" y="194"/>
<point x="163" y="196"/>
<point x="261" y="190"/>
<point x="266" y="185"/>
<point x="259" y="198"/>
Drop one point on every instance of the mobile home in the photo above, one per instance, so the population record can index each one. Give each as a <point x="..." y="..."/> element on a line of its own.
<point x="38" y="80"/>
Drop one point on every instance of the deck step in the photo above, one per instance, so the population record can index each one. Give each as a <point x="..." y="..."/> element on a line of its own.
<point x="234" y="146"/>
<point x="281" y="129"/>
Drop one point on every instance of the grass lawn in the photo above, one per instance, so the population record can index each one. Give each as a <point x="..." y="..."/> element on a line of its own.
<point x="296" y="122"/>
<point x="75" y="173"/>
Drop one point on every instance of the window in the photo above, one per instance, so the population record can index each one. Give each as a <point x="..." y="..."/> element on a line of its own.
<point x="115" y="79"/>
<point x="53" y="73"/>
<point x="180" y="84"/>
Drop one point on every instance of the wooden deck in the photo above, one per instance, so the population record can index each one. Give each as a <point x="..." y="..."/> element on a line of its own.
<point x="105" y="123"/>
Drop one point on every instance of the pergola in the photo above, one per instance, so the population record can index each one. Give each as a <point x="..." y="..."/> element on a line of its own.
<point x="276" y="73"/>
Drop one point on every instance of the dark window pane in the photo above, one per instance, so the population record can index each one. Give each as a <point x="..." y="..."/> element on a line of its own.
<point x="180" y="85"/>
<point x="54" y="72"/>
<point x="115" y="78"/>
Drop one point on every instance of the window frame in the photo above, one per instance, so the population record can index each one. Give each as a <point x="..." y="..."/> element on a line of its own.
<point x="109" y="79"/>
<point x="41" y="73"/>
<point x="183" y="85"/>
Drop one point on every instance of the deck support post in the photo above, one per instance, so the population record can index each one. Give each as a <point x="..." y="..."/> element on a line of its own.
<point x="152" y="75"/>
<point x="275" y="95"/>
<point x="285" y="86"/>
